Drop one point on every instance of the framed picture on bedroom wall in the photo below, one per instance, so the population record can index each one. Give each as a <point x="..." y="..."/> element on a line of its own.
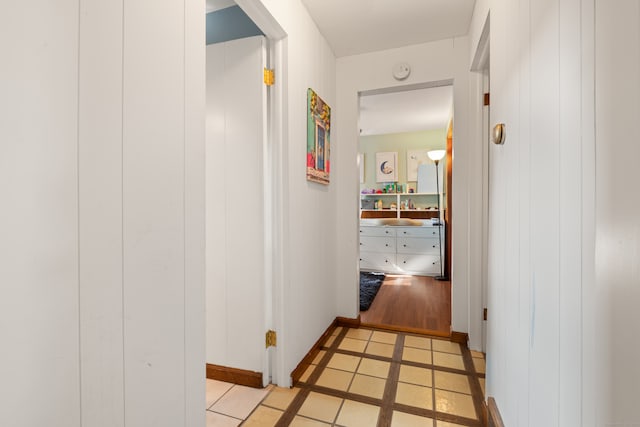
<point x="415" y="158"/>
<point x="361" y="166"/>
<point x="387" y="166"/>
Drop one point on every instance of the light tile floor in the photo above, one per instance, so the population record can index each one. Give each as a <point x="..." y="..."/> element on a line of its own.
<point x="365" y="378"/>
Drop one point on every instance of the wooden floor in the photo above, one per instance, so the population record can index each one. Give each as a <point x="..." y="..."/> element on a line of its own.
<point x="411" y="303"/>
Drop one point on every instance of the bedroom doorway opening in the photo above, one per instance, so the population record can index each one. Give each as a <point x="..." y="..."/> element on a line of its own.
<point x="405" y="200"/>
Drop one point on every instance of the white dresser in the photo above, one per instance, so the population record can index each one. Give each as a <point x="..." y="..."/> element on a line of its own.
<point x="400" y="250"/>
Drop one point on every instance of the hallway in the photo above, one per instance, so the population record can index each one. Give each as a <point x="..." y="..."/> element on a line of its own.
<point x="368" y="377"/>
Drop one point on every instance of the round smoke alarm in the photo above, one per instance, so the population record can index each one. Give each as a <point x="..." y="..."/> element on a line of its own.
<point x="401" y="71"/>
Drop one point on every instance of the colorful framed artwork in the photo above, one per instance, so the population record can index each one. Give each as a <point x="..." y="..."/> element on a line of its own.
<point x="318" y="138"/>
<point x="387" y="166"/>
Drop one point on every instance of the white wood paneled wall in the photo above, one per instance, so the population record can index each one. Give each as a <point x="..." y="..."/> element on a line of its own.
<point x="563" y="295"/>
<point x="101" y="160"/>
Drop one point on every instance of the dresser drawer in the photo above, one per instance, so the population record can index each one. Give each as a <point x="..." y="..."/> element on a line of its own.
<point x="418" y="232"/>
<point x="377" y="261"/>
<point x="418" y="264"/>
<point x="377" y="231"/>
<point x="416" y="245"/>
<point x="377" y="244"/>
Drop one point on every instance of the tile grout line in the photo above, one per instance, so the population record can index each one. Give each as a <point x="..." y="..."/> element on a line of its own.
<point x="474" y="383"/>
<point x="305" y="386"/>
<point x="389" y="394"/>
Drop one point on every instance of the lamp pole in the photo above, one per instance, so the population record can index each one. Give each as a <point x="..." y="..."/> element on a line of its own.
<point x="436" y="156"/>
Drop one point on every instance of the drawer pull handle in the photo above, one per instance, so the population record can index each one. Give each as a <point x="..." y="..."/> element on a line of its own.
<point x="433" y="245"/>
<point x="387" y="231"/>
<point x="361" y="244"/>
<point x="404" y="262"/>
<point x="360" y="259"/>
<point x="404" y="232"/>
<point x="386" y="244"/>
<point x="404" y="246"/>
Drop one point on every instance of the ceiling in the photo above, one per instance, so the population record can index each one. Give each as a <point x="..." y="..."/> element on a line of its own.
<point x="408" y="111"/>
<point x="357" y="26"/>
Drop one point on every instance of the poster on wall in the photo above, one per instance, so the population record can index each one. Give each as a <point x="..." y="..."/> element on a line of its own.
<point x="387" y="166"/>
<point x="318" y="140"/>
<point x="416" y="158"/>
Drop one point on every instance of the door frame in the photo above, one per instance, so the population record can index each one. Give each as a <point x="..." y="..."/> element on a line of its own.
<point x="274" y="194"/>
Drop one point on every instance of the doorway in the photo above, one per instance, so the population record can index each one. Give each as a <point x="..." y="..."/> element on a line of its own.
<point x="242" y="205"/>
<point x="404" y="207"/>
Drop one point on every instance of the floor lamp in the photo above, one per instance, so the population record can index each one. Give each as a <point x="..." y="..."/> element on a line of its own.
<point x="436" y="156"/>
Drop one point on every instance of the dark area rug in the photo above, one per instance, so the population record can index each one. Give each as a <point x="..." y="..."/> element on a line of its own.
<point x="369" y="286"/>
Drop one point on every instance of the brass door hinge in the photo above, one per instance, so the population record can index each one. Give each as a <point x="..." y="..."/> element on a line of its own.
<point x="484" y="315"/>
<point x="269" y="77"/>
<point x="270" y="339"/>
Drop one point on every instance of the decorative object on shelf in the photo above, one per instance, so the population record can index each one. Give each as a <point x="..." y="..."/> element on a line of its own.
<point x="386" y="166"/>
<point x="415" y="158"/>
<point x="436" y="156"/>
<point x="318" y="140"/>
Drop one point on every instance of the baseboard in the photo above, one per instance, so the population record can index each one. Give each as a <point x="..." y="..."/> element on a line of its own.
<point x="234" y="375"/>
<point x="494" y="419"/>
<point x="348" y="322"/>
<point x="306" y="360"/>
<point x="460" y="337"/>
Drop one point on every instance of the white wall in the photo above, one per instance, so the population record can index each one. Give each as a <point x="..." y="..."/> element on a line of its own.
<point x="103" y="229"/>
<point x="563" y="287"/>
<point x="443" y="60"/>
<point x="235" y="271"/>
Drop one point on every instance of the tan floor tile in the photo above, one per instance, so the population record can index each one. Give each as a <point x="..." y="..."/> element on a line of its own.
<point x="280" y="397"/>
<point x="375" y="368"/>
<point x="320" y="407"/>
<point x="329" y="341"/>
<point x="452" y="382"/>
<point x="414" y="395"/>
<point x="446" y="424"/>
<point x="384" y="337"/>
<point x="336" y="331"/>
<point x="368" y="386"/>
<point x="360" y="334"/>
<point x="448" y="360"/>
<point x="306" y="422"/>
<point x="219" y="420"/>
<point x="417" y="342"/>
<point x="479" y="365"/>
<point x="263" y="417"/>
<point x="215" y="390"/>
<point x="335" y="379"/>
<point x="319" y="356"/>
<point x="351" y="344"/>
<point x="344" y="362"/>
<point x="484" y="393"/>
<point x="402" y="419"/>
<point x="239" y="401"/>
<point x="477" y="354"/>
<point x="356" y="414"/>
<point x="455" y="403"/>
<point x="307" y="373"/>
<point x="446" y="346"/>
<point x="416" y="355"/>
<point x="379" y="349"/>
<point x="414" y="375"/>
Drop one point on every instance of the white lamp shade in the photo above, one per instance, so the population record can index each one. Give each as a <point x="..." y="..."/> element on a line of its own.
<point x="436" y="155"/>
